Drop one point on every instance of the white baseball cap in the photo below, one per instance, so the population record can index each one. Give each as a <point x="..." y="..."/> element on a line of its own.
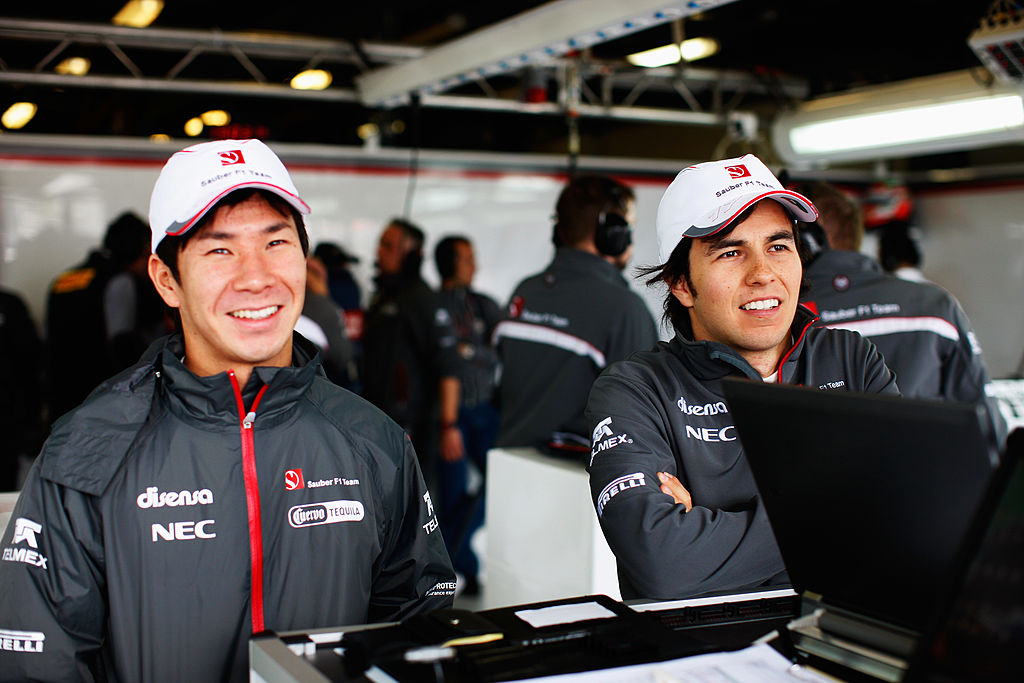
<point x="197" y="177"/>
<point x="705" y="198"/>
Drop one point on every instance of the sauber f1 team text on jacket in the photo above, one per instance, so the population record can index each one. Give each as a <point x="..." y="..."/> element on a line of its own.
<point x="172" y="516"/>
<point x="664" y="411"/>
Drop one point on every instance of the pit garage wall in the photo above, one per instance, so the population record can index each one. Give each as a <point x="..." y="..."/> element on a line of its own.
<point x="57" y="199"/>
<point x="56" y="206"/>
<point x="973" y="245"/>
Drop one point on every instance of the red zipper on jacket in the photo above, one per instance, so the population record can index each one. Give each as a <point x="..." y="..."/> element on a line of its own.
<point x="252" y="500"/>
<point x="778" y="368"/>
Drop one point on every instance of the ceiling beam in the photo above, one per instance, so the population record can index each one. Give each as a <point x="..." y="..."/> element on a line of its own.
<point x="532" y="38"/>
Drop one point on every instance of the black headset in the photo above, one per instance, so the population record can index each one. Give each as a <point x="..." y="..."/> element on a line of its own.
<point x="614" y="234"/>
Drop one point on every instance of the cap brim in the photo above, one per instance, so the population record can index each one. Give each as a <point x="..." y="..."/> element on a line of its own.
<point x="796" y="205"/>
<point x="181" y="228"/>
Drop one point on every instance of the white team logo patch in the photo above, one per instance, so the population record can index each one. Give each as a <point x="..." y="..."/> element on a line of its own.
<point x="330" y="512"/>
<point x="604" y="438"/>
<point x="617" y="486"/>
<point x="21" y="641"/>
<point x="25" y="531"/>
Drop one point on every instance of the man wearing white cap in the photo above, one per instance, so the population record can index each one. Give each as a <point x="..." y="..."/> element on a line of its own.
<point x="222" y="486"/>
<point x="665" y="457"/>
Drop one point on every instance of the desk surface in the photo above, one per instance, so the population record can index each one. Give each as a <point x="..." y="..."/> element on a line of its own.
<point x="627" y="637"/>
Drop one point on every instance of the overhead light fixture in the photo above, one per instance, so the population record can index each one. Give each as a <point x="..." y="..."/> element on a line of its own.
<point x="535" y="37"/>
<point x="73" y="66"/>
<point x="160" y="138"/>
<point x="944" y="113"/>
<point x="311" y="79"/>
<point x="193" y="127"/>
<point x="215" y="117"/>
<point x="138" y="13"/>
<point x="689" y="50"/>
<point x="18" y="114"/>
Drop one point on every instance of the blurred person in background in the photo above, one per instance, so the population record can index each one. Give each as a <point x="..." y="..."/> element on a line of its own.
<point x="469" y="419"/>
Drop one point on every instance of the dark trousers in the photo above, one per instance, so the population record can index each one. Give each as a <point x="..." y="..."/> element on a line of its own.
<point x="460" y="512"/>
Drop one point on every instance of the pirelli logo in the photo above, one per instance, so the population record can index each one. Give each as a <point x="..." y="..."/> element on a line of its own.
<point x="617" y="486"/>
<point x="21" y="641"/>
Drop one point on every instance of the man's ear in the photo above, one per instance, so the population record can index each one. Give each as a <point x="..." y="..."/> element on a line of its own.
<point x="166" y="285"/>
<point x="681" y="291"/>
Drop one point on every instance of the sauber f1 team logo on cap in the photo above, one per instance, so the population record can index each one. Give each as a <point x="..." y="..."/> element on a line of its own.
<point x="293" y="480"/>
<point x="737" y="171"/>
<point x="231" y="157"/>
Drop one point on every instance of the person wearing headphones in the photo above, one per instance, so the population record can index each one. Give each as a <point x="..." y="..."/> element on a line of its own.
<point x="469" y="418"/>
<point x="406" y="339"/>
<point x="567" y="323"/>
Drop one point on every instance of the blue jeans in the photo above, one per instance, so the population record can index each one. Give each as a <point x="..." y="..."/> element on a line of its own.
<point x="459" y="513"/>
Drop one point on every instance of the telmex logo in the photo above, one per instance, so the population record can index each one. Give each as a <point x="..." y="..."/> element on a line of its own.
<point x="26" y="530"/>
<point x="331" y="512"/>
<point x="601" y="430"/>
<point x="21" y="641"/>
<point x="152" y="497"/>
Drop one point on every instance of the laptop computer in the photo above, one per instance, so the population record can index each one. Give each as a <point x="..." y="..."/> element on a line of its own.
<point x="978" y="631"/>
<point x="870" y="498"/>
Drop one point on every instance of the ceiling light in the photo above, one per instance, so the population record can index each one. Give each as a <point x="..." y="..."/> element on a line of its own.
<point x="160" y="138"/>
<point x="311" y="79"/>
<point x="73" y="66"/>
<point x="138" y="13"/>
<point x="194" y="126"/>
<point x="18" y="114"/>
<point x="535" y="37"/>
<point x="216" y="117"/>
<point x="922" y="116"/>
<point x="367" y="131"/>
<point x="689" y="50"/>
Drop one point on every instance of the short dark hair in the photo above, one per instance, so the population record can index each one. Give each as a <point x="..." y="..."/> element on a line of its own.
<point x="412" y="261"/>
<point x="896" y="247"/>
<point x="582" y="201"/>
<point x="127" y="238"/>
<point x="678" y="267"/>
<point x="444" y="255"/>
<point x="171" y="245"/>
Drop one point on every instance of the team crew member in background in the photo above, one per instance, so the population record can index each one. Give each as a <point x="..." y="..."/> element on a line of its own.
<point x="920" y="328"/>
<point x="222" y="486"/>
<point x="673" y="492"/>
<point x="405" y="340"/>
<point x="469" y="420"/>
<point x="569" y="322"/>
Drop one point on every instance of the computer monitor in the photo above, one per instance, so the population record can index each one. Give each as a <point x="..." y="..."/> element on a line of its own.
<point x="869" y="496"/>
<point x="978" y="633"/>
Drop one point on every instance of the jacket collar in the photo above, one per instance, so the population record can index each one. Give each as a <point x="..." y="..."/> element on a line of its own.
<point x="212" y="399"/>
<point x="712" y="360"/>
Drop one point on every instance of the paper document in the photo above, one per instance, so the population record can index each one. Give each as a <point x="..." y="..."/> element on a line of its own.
<point x="755" y="664"/>
<point x="564" y="614"/>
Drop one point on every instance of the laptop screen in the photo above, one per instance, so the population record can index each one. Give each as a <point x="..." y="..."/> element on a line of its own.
<point x="869" y="496"/>
<point x="980" y="630"/>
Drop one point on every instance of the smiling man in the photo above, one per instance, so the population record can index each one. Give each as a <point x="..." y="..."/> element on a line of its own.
<point x="222" y="486"/>
<point x="673" y="492"/>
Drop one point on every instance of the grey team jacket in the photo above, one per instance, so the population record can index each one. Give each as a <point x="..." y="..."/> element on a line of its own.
<point x="663" y="410"/>
<point x="163" y="524"/>
<point x="920" y="328"/>
<point x="565" y="325"/>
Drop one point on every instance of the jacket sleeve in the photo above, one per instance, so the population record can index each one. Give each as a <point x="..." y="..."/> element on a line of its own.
<point x="965" y="378"/>
<point x="53" y="610"/>
<point x="661" y="550"/>
<point x="415" y="573"/>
